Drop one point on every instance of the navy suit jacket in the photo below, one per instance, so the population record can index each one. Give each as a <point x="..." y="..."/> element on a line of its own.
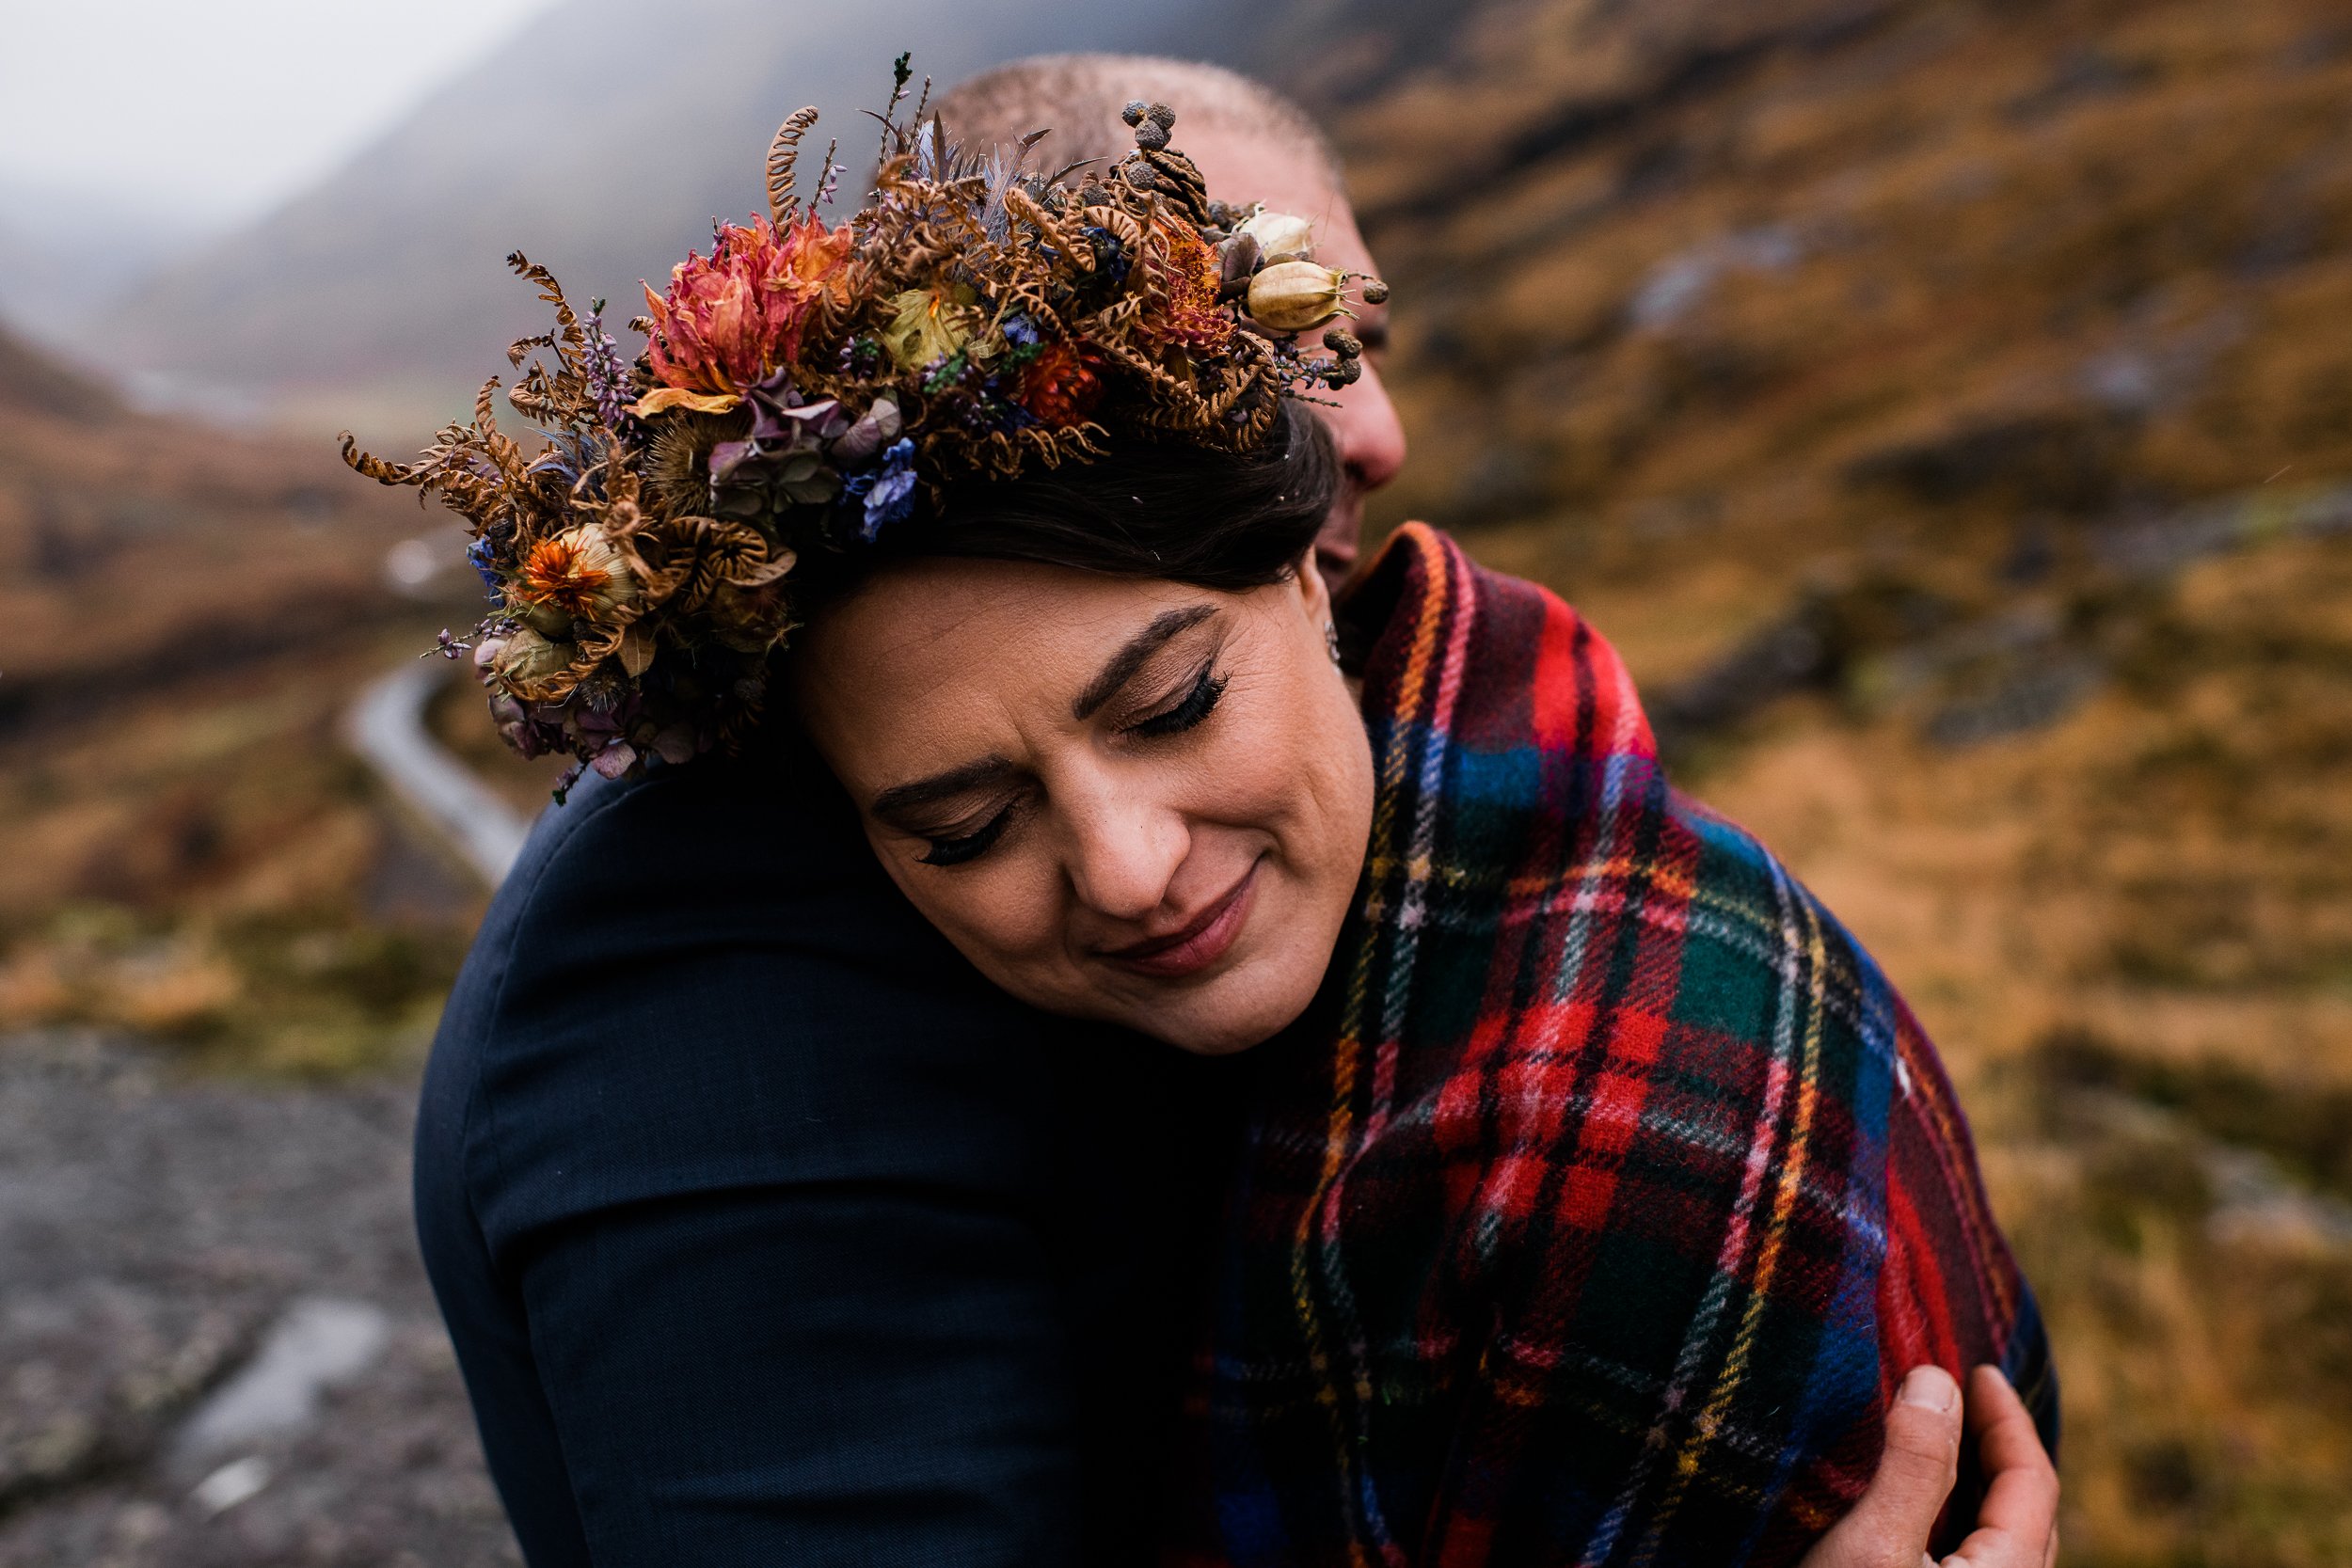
<point x="767" y="1234"/>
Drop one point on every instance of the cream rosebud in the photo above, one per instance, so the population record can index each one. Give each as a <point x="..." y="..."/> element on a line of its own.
<point x="1295" y="296"/>
<point x="1281" y="236"/>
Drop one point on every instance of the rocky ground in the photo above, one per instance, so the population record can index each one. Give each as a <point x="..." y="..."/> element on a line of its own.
<point x="216" y="1341"/>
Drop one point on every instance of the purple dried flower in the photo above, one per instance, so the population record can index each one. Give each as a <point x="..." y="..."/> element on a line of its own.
<point x="891" y="500"/>
<point x="602" y="366"/>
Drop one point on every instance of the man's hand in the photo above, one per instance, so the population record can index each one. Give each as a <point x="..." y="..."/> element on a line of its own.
<point x="2017" y="1528"/>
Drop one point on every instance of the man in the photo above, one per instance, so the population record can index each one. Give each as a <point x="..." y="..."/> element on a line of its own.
<point x="766" y="1232"/>
<point x="1249" y="144"/>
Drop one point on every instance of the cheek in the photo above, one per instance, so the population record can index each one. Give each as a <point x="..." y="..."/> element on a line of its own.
<point x="1003" y="913"/>
<point x="1299" y="768"/>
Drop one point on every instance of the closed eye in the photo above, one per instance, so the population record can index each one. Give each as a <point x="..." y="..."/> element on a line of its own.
<point x="1198" y="703"/>
<point x="954" y="850"/>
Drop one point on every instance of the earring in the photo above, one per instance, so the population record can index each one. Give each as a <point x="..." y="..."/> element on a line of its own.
<point x="1331" y="640"/>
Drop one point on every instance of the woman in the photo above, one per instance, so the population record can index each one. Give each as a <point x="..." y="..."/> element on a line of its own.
<point x="1559" y="1235"/>
<point x="1599" y="1189"/>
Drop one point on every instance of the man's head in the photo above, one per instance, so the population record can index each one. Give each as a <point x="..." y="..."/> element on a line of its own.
<point x="1252" y="145"/>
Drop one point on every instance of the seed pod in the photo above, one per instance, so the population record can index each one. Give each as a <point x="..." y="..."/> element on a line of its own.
<point x="1140" y="176"/>
<point x="1151" y="137"/>
<point x="527" y="657"/>
<point x="1282" y="237"/>
<point x="1347" y="373"/>
<point x="1132" y="114"/>
<point x="1161" y="116"/>
<point x="1237" y="257"/>
<point x="1342" y="342"/>
<point x="548" y="621"/>
<point x="1295" y="296"/>
<point x="1375" y="292"/>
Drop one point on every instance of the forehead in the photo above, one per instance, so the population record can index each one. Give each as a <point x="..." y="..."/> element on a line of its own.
<point x="1260" y="167"/>
<point x="931" y="635"/>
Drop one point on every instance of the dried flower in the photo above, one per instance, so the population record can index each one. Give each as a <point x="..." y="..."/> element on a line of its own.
<point x="606" y="375"/>
<point x="875" y="428"/>
<point x="1059" y="387"/>
<point x="577" y="572"/>
<point x="1181" y="263"/>
<point x="891" y="497"/>
<point x="482" y="556"/>
<point x="927" y="327"/>
<point x="728" y="321"/>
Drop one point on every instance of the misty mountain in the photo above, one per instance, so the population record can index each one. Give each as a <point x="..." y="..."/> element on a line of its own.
<point x="65" y="258"/>
<point x="602" y="142"/>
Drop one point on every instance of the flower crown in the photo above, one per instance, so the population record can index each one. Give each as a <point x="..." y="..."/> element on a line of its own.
<point x="809" y="387"/>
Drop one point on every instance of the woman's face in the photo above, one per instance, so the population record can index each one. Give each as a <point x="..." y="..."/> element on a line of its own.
<point x="1130" y="800"/>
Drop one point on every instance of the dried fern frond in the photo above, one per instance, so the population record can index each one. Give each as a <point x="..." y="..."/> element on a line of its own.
<point x="781" y="153"/>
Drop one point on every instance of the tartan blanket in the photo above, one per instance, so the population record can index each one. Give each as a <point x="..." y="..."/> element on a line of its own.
<point x="1596" y="1209"/>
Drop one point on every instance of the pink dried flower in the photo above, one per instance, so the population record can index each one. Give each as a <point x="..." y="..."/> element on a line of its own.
<point x="731" y="320"/>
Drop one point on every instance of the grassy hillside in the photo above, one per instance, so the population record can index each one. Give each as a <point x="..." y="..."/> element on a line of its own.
<point x="186" y="847"/>
<point x="1947" y="408"/>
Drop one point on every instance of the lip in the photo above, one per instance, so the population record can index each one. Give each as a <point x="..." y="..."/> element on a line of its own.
<point x="1204" y="939"/>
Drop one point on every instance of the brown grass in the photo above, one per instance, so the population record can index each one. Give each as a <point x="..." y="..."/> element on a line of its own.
<point x="1979" y="287"/>
<point x="190" y="850"/>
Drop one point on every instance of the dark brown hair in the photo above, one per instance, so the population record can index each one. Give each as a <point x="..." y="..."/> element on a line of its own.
<point x="1226" y="520"/>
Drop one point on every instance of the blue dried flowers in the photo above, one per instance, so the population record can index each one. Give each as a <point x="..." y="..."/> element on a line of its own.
<point x="890" y="491"/>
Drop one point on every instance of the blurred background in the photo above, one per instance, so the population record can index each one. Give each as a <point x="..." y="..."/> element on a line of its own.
<point x="1945" y="406"/>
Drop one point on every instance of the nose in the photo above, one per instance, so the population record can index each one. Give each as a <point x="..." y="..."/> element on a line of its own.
<point x="1365" y="428"/>
<point x="1125" y="854"/>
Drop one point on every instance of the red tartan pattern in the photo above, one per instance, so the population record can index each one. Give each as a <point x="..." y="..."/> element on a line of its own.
<point x="1594" y="1211"/>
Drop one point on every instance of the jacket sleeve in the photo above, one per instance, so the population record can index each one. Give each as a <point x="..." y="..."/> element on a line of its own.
<point x="733" y="1217"/>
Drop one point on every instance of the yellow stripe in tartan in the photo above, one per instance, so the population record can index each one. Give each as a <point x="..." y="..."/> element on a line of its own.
<point x="1792" y="1177"/>
<point x="1339" y="1128"/>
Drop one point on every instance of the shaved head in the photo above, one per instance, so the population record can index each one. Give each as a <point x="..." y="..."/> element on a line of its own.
<point x="1079" y="96"/>
<point x="1251" y="144"/>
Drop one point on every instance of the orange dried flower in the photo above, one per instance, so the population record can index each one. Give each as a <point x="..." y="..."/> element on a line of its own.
<point x="1186" y="269"/>
<point x="1062" y="387"/>
<point x="731" y="319"/>
<point x="577" y="572"/>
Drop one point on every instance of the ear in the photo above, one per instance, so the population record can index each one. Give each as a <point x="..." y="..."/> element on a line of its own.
<point x="1315" y="595"/>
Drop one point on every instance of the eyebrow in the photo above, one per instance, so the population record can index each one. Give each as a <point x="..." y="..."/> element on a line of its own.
<point x="901" y="799"/>
<point x="1140" y="647"/>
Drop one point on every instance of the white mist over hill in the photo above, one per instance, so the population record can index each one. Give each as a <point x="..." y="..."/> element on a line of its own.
<point x="602" y="140"/>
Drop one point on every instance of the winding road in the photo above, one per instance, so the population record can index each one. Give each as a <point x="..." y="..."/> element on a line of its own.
<point x="387" y="728"/>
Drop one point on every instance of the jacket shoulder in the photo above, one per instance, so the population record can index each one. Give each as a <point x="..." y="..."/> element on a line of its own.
<point x="703" y="980"/>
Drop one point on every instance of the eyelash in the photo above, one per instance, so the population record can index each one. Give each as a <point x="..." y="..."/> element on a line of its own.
<point x="972" y="846"/>
<point x="1197" y="704"/>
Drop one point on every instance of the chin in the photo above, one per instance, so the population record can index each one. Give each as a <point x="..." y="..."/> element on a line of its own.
<point x="1230" y="1015"/>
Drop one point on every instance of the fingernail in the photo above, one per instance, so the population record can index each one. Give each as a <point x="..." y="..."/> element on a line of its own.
<point x="1931" y="1388"/>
